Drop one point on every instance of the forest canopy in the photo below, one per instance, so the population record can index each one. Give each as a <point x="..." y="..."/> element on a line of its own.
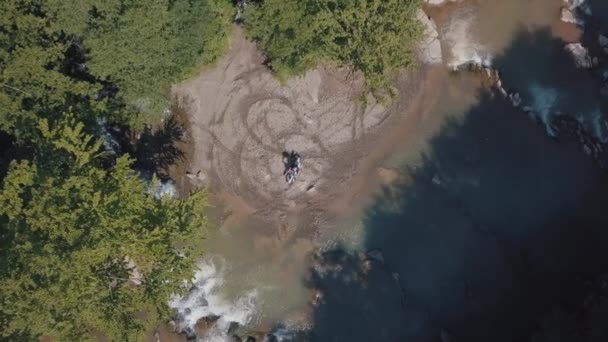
<point x="88" y="249"/>
<point x="109" y="59"/>
<point x="376" y="37"/>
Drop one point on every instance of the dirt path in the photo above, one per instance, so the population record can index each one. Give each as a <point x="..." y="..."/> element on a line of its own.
<point x="242" y="119"/>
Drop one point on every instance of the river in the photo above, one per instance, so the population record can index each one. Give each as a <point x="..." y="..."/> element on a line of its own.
<point x="494" y="221"/>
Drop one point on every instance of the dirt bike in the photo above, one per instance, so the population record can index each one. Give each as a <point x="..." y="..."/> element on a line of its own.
<point x="290" y="176"/>
<point x="293" y="164"/>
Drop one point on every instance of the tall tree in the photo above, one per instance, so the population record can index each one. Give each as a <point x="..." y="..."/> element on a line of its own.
<point x="88" y="250"/>
<point x="374" y="36"/>
<point x="111" y="59"/>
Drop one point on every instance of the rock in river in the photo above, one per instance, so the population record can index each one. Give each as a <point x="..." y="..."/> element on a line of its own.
<point x="568" y="16"/>
<point x="580" y="55"/>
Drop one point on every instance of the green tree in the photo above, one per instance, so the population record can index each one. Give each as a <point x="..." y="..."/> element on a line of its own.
<point x="86" y="249"/>
<point x="111" y="59"/>
<point x="144" y="46"/>
<point x="33" y="79"/>
<point x="376" y="37"/>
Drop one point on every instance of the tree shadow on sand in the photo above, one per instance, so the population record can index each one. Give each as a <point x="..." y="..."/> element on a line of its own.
<point x="538" y="67"/>
<point x="497" y="227"/>
<point x="157" y="149"/>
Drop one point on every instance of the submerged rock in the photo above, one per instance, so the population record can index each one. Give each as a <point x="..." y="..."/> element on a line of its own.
<point x="445" y="336"/>
<point x="604" y="90"/>
<point x="376" y="255"/>
<point x="568" y="128"/>
<point x="515" y="99"/>
<point x="575" y="11"/>
<point x="580" y="55"/>
<point x="580" y="5"/>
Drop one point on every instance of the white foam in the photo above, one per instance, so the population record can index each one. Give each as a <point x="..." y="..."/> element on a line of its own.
<point x="207" y="300"/>
<point x="165" y="189"/>
<point x="462" y="41"/>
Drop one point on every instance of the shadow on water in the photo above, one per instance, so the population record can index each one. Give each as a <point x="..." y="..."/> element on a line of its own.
<point x="157" y="148"/>
<point x="497" y="225"/>
<point x="538" y="66"/>
<point x="599" y="9"/>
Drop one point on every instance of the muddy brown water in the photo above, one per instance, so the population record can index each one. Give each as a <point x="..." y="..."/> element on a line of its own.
<point x="397" y="177"/>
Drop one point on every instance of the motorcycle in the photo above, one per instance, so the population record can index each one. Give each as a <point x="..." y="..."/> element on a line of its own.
<point x="293" y="166"/>
<point x="290" y="176"/>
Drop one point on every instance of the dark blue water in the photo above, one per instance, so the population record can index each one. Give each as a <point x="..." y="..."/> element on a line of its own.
<point x="543" y="72"/>
<point x="498" y="226"/>
<point x="599" y="9"/>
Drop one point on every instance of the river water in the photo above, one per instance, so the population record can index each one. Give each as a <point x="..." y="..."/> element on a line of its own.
<point x="496" y="222"/>
<point x="500" y="219"/>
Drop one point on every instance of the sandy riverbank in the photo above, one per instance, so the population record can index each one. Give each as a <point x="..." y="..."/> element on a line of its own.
<point x="242" y="119"/>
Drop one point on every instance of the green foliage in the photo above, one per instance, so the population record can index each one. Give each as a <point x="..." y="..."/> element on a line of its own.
<point x="32" y="82"/>
<point x="56" y="55"/>
<point x="71" y="227"/>
<point x="374" y="36"/>
<point x="68" y="229"/>
<point x="143" y="46"/>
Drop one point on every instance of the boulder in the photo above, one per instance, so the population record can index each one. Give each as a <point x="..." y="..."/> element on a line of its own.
<point x="580" y="55"/>
<point x="204" y="324"/>
<point x="603" y="41"/>
<point x="233" y="327"/>
<point x="429" y="49"/>
<point x="445" y="336"/>
<point x="568" y="16"/>
<point x="580" y="5"/>
<point x="515" y="99"/>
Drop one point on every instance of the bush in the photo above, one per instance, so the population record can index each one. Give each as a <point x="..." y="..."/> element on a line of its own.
<point x="376" y="37"/>
<point x="109" y="59"/>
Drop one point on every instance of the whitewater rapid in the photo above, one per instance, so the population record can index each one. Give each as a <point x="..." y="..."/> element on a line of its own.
<point x="206" y="300"/>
